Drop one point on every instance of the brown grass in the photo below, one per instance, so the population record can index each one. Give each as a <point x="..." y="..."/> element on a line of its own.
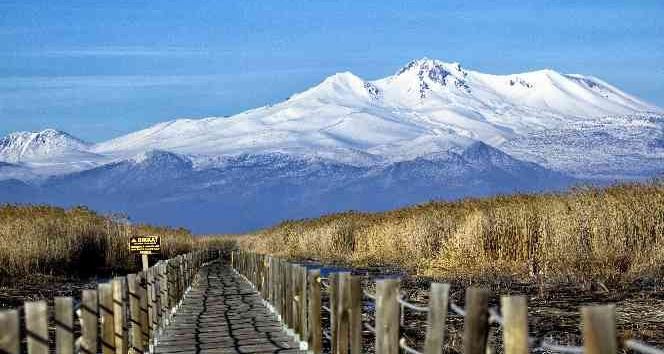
<point x="615" y="233"/>
<point x="50" y="240"/>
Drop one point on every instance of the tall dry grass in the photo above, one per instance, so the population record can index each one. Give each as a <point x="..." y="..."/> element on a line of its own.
<point x="78" y="241"/>
<point x="614" y="233"/>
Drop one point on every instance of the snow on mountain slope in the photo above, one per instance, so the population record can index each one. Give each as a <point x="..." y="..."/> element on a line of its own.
<point x="47" y="144"/>
<point x="426" y="108"/>
<point x="48" y="152"/>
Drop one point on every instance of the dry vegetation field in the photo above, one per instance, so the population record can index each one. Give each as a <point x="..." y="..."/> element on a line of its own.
<point x="561" y="250"/>
<point x="73" y="242"/>
<point x="610" y="235"/>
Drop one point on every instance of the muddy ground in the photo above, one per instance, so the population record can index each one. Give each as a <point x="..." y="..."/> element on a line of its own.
<point x="14" y="292"/>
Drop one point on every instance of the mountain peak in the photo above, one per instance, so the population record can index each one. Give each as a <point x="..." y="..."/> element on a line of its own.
<point x="434" y="68"/>
<point x="423" y="75"/>
<point x="20" y="146"/>
<point x="44" y="135"/>
<point x="341" y="86"/>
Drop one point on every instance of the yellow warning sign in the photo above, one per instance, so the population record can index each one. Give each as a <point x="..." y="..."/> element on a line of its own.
<point x="145" y="244"/>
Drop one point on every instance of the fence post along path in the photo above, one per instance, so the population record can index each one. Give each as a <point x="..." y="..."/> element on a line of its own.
<point x="350" y="324"/>
<point x="108" y="321"/>
<point x="175" y="305"/>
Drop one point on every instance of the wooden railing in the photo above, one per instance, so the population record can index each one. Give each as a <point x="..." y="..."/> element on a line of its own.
<point x="294" y="291"/>
<point x="122" y="316"/>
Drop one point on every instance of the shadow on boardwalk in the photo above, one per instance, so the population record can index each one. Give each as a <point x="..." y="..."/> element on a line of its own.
<point x="224" y="314"/>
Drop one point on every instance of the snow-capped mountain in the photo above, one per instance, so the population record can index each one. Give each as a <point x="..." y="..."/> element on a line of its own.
<point x="431" y="130"/>
<point x="48" y="152"/>
<point x="44" y="145"/>
<point x="426" y="107"/>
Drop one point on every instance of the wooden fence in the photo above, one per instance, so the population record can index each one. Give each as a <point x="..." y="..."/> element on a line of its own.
<point x="122" y="316"/>
<point x="294" y="291"/>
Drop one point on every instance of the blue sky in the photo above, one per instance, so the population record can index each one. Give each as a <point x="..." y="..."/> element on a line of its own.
<point x="102" y="69"/>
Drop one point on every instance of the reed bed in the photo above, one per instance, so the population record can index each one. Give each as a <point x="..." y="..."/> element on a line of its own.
<point x="608" y="234"/>
<point x="74" y="242"/>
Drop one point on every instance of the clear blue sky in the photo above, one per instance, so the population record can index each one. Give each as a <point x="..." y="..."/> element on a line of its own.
<point x="99" y="69"/>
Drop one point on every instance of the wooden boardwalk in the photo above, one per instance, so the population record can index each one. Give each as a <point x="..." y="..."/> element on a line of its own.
<point x="224" y="314"/>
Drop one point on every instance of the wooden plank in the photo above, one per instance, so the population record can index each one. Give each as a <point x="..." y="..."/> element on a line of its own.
<point x="89" y="321"/>
<point x="599" y="329"/>
<point x="515" y="328"/>
<point x="36" y="327"/>
<point x="234" y="321"/>
<point x="107" y="335"/>
<point x="438" y="303"/>
<point x="355" y="316"/>
<point x="476" y="322"/>
<point x="64" y="325"/>
<point x="315" y="334"/>
<point x="9" y="332"/>
<point x="136" y="335"/>
<point x="119" y="316"/>
<point x="387" y="316"/>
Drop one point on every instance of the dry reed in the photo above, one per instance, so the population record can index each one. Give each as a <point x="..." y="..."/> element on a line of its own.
<point x="612" y="233"/>
<point x="75" y="242"/>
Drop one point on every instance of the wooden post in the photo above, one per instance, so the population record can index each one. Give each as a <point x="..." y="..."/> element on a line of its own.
<point x="438" y="302"/>
<point x="295" y="298"/>
<point x="36" y="327"/>
<point x="355" y="316"/>
<point x="9" y="332"/>
<point x="304" y="303"/>
<point x="135" y="314"/>
<point x="288" y="299"/>
<point x="181" y="288"/>
<point x="342" y="314"/>
<point x="144" y="320"/>
<point x="64" y="325"/>
<point x="145" y="262"/>
<point x="107" y="322"/>
<point x="387" y="316"/>
<point x="333" y="291"/>
<point x="515" y="327"/>
<point x="476" y="323"/>
<point x="163" y="297"/>
<point x="89" y="322"/>
<point x="277" y="286"/>
<point x="119" y="316"/>
<point x="599" y="329"/>
<point x="315" y="333"/>
<point x="172" y="283"/>
<point x="152" y="302"/>
<point x="269" y="284"/>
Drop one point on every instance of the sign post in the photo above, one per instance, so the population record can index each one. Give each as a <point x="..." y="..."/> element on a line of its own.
<point x="145" y="245"/>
